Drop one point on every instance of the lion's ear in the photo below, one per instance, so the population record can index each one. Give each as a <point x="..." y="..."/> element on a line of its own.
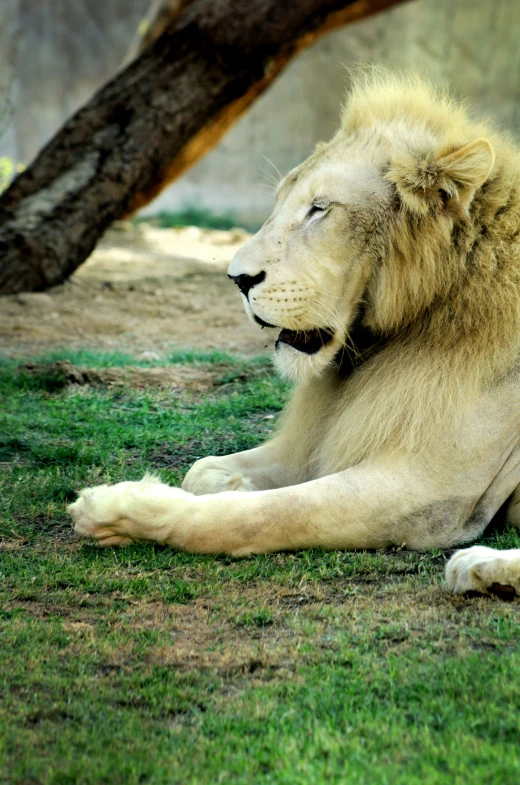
<point x="442" y="181"/>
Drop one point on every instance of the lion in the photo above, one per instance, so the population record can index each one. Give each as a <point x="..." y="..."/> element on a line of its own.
<point x="390" y="271"/>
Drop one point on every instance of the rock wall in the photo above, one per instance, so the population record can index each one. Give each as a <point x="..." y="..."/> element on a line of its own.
<point x="471" y="46"/>
<point x="53" y="56"/>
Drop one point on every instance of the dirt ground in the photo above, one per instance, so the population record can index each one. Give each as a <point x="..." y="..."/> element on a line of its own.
<point x="142" y="290"/>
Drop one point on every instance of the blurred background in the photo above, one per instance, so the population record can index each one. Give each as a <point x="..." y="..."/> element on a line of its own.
<point x="55" y="53"/>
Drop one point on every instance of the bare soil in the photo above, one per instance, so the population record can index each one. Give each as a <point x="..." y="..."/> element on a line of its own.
<point x="142" y="290"/>
<point x="193" y="377"/>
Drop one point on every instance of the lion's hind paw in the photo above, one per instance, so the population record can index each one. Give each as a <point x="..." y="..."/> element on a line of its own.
<point x="484" y="570"/>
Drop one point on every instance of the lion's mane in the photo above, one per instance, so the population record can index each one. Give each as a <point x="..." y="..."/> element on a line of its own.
<point x="445" y="303"/>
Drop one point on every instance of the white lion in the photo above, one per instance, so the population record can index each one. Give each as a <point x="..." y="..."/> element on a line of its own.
<point x="390" y="268"/>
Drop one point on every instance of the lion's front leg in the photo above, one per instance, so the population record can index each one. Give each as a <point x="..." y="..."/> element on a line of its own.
<point x="149" y="510"/>
<point x="262" y="468"/>
<point x="302" y="516"/>
<point x="368" y="506"/>
<point x="484" y="570"/>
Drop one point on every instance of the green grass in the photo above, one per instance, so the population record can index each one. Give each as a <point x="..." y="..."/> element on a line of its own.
<point x="121" y="359"/>
<point x="196" y="216"/>
<point x="144" y="665"/>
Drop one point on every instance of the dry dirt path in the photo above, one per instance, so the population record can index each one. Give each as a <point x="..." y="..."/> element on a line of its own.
<point x="142" y="290"/>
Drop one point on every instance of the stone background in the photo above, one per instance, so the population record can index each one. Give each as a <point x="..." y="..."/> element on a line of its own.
<point x="54" y="54"/>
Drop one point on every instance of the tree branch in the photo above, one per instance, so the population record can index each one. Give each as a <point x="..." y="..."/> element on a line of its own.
<point x="149" y="124"/>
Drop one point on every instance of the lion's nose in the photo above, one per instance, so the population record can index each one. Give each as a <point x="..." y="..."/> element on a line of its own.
<point x="246" y="282"/>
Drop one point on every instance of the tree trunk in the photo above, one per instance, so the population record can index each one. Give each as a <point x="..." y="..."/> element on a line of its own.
<point x="149" y="124"/>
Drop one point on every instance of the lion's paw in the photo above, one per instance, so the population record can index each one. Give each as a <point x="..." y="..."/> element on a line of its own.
<point x="206" y="476"/>
<point x="484" y="570"/>
<point x="96" y="514"/>
<point x="104" y="512"/>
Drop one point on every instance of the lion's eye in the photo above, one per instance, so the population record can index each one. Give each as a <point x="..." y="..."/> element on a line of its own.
<point x="318" y="207"/>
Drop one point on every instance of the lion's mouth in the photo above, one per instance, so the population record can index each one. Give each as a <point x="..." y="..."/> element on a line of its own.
<point x="306" y="341"/>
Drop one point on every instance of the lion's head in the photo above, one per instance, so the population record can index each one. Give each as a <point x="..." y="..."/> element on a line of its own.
<point x="363" y="229"/>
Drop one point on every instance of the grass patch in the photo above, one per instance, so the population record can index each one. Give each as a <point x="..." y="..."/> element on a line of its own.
<point x="121" y="359"/>
<point x="196" y="216"/>
<point x="144" y="665"/>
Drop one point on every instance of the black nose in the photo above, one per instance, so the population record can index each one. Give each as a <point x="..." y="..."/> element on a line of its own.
<point x="246" y="282"/>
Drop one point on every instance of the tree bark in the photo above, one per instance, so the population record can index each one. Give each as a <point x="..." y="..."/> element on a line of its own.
<point x="149" y="124"/>
<point x="160" y="15"/>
